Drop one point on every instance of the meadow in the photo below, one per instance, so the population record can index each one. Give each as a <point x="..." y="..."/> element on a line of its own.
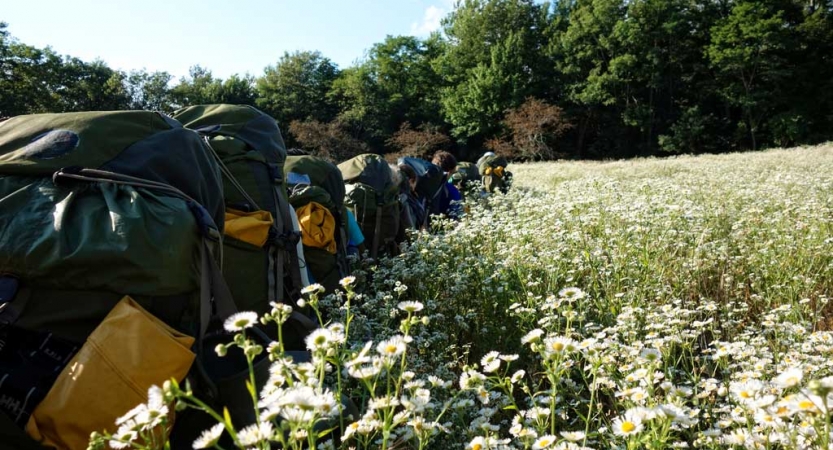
<point x="654" y="303"/>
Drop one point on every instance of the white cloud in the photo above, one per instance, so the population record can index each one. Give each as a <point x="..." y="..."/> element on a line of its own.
<point x="431" y="19"/>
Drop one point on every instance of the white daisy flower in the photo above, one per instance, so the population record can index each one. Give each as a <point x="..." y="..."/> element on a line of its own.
<point x="347" y="281"/>
<point x="314" y="288"/>
<point x="255" y="434"/>
<point x="789" y="378"/>
<point x="532" y="336"/>
<point x="573" y="436"/>
<point x="627" y="425"/>
<point x="319" y="339"/>
<point x="209" y="437"/>
<point x="240" y="321"/>
<point x="571" y="293"/>
<point x="410" y="307"/>
<point x="490" y="362"/>
<point x="544" y="442"/>
<point x="392" y="347"/>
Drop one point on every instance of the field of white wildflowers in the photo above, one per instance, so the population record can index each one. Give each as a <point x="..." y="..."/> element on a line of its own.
<point x="663" y="303"/>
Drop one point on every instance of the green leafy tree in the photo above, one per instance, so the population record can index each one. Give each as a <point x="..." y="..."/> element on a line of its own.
<point x="583" y="51"/>
<point x="396" y="83"/>
<point x="198" y="88"/>
<point x="149" y="91"/>
<point x="28" y="77"/>
<point x="748" y="52"/>
<point x="494" y="59"/>
<point x="81" y="86"/>
<point x="296" y="88"/>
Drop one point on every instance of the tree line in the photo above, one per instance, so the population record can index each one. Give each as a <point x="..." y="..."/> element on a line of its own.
<point x="561" y="79"/>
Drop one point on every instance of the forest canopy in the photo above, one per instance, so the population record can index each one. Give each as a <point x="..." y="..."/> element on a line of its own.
<point x="564" y="79"/>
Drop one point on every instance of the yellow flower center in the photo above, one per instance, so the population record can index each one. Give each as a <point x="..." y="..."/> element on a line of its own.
<point x="390" y="348"/>
<point x="745" y="394"/>
<point x="806" y="404"/>
<point x="557" y="346"/>
<point x="628" y="426"/>
<point x="476" y="447"/>
<point x="544" y="442"/>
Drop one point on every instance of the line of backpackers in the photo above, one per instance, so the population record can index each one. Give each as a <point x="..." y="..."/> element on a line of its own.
<point x="127" y="238"/>
<point x="381" y="202"/>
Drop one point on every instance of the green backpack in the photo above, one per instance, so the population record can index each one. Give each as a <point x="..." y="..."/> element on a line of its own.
<point x="467" y="172"/>
<point x="98" y="205"/>
<point x="493" y="172"/>
<point x="326" y="187"/>
<point x="249" y="146"/>
<point x="373" y="197"/>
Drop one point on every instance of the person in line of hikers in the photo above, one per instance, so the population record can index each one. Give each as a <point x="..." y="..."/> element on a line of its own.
<point x="467" y="180"/>
<point x="450" y="199"/>
<point x="492" y="169"/>
<point x="413" y="207"/>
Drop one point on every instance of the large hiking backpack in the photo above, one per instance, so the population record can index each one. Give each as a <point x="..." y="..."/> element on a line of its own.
<point x="95" y="206"/>
<point x="315" y="180"/>
<point x="493" y="171"/>
<point x="249" y="146"/>
<point x="430" y="183"/>
<point x="466" y="173"/>
<point x="373" y="197"/>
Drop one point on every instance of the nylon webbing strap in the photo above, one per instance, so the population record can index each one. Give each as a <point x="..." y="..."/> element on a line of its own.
<point x="292" y="250"/>
<point x="101" y="176"/>
<point x="205" y="294"/>
<point x="270" y="273"/>
<point x="377" y="231"/>
<point x="216" y="302"/>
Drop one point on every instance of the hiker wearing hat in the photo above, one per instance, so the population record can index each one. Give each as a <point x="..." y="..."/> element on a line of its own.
<point x="450" y="201"/>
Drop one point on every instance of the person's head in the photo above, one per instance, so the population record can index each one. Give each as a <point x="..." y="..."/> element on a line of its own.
<point x="445" y="160"/>
<point x="409" y="172"/>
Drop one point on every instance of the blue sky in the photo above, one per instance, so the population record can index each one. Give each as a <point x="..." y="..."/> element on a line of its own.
<point x="227" y="37"/>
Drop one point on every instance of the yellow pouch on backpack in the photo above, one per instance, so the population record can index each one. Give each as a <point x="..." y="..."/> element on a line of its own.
<point x="251" y="227"/>
<point x="127" y="353"/>
<point x="318" y="226"/>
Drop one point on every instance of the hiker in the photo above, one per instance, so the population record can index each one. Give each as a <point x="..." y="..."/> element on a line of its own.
<point x="467" y="179"/>
<point x="450" y="200"/>
<point x="492" y="169"/>
<point x="414" y="207"/>
<point x="373" y="196"/>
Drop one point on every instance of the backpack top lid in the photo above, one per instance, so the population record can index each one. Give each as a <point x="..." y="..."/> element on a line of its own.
<point x="246" y="123"/>
<point x="430" y="177"/>
<point x="39" y="144"/>
<point x="321" y="173"/>
<point x="141" y="144"/>
<point x="369" y="169"/>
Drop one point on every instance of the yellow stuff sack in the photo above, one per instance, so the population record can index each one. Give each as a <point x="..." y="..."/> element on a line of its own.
<point x="127" y="353"/>
<point x="250" y="227"/>
<point x="318" y="226"/>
